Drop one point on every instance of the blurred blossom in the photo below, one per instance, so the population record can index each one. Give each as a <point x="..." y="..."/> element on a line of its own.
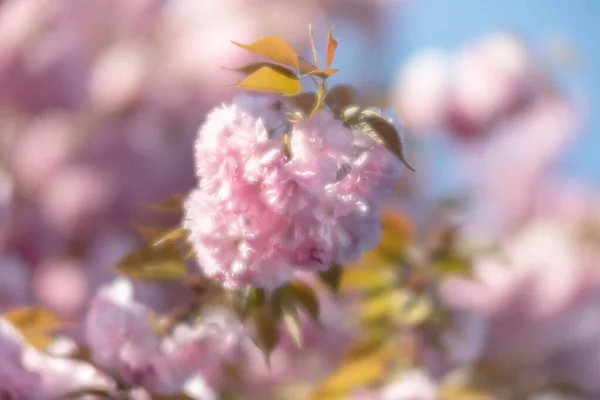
<point x="122" y="335"/>
<point x="62" y="285"/>
<point x="41" y="149"/>
<point x="412" y="385"/>
<point x="27" y="373"/>
<point x="14" y="285"/>
<point x="421" y="90"/>
<point x="527" y="146"/>
<point x="539" y="304"/>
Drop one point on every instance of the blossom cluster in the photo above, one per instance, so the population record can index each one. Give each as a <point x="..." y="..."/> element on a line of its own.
<point x="270" y="202"/>
<point x="127" y="352"/>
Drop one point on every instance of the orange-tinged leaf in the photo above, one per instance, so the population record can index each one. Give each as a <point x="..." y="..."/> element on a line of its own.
<point x="312" y="45"/>
<point x="272" y="48"/>
<point x="322" y="73"/>
<point x="331" y="47"/>
<point x="304" y="66"/>
<point x="272" y="80"/>
<point x="35" y="324"/>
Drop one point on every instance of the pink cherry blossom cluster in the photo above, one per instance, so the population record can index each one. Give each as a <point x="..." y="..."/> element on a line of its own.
<point x="266" y="208"/>
<point x="128" y="353"/>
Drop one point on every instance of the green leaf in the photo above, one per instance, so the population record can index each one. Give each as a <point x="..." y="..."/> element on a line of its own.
<point x="172" y="236"/>
<point x="454" y="266"/>
<point x="148" y="234"/>
<point x="304" y="101"/>
<point x="272" y="48"/>
<point x="170" y="203"/>
<point x="291" y="320"/>
<point x="416" y="309"/>
<point x="34" y="323"/>
<point x="307" y="298"/>
<point x="247" y="300"/>
<point x="378" y="128"/>
<point x="340" y="97"/>
<point x="320" y="98"/>
<point x="331" y="47"/>
<point x="262" y="329"/>
<point x="332" y="277"/>
<point x="272" y="80"/>
<point x="351" y="114"/>
<point x="153" y="264"/>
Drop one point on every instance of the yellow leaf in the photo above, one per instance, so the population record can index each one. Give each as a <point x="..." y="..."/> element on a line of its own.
<point x="34" y="323"/>
<point x="365" y="279"/>
<point x="331" y="47"/>
<point x="352" y="374"/>
<point x="272" y="48"/>
<point x="386" y="304"/>
<point x="272" y="80"/>
<point x="416" y="309"/>
<point x="372" y="342"/>
<point x="163" y="263"/>
<point x="464" y="394"/>
<point x="453" y="266"/>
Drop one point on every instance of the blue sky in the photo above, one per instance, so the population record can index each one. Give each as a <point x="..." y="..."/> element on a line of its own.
<point x="449" y="23"/>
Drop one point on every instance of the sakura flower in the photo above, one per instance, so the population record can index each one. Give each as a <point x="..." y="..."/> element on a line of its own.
<point x="414" y="385"/>
<point x="15" y="382"/>
<point x="29" y="374"/>
<point x="121" y="336"/>
<point x="263" y="211"/>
